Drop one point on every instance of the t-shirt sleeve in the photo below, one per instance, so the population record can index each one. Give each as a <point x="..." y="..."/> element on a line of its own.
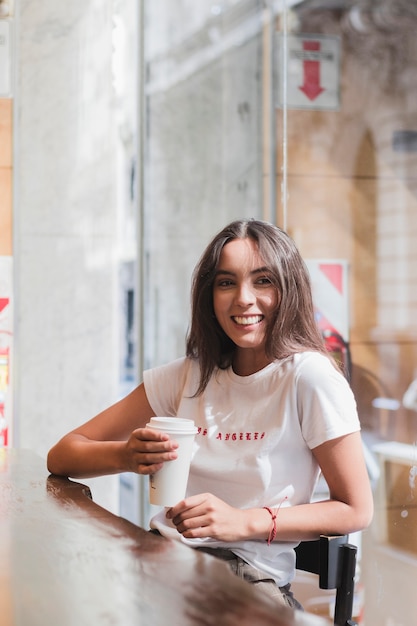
<point x="326" y="404"/>
<point x="164" y="386"/>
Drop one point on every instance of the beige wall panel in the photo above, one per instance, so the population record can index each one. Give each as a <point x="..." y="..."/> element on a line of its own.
<point x="5" y="211"/>
<point x="320" y="215"/>
<point x="366" y="383"/>
<point x="6" y="132"/>
<point x="321" y="143"/>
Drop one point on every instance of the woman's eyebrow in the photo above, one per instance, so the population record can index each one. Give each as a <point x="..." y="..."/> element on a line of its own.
<point x="261" y="270"/>
<point x="224" y="272"/>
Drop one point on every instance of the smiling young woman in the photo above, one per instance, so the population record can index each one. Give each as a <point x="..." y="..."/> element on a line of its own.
<point x="271" y="407"/>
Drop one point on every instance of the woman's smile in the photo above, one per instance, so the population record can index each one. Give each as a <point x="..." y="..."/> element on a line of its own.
<point x="246" y="321"/>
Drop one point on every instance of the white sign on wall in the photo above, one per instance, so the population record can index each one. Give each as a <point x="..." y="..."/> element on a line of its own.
<point x="5" y="59"/>
<point x="329" y="283"/>
<point x="308" y="71"/>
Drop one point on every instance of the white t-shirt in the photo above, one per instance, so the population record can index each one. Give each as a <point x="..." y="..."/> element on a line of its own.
<point x="254" y="441"/>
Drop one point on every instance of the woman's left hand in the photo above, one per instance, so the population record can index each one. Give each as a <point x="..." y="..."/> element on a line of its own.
<point x="205" y="515"/>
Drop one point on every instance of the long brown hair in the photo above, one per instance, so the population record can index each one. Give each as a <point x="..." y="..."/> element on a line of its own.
<point x="293" y="327"/>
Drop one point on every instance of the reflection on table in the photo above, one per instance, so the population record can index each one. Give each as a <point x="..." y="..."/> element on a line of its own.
<point x="67" y="561"/>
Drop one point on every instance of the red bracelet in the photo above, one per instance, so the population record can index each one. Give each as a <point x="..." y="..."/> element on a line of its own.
<point x="273" y="532"/>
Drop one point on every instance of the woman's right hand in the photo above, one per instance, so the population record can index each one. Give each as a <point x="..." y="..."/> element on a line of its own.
<point x="146" y="450"/>
<point x="116" y="440"/>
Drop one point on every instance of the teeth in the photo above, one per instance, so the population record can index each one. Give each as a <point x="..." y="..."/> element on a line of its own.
<point x="253" y="319"/>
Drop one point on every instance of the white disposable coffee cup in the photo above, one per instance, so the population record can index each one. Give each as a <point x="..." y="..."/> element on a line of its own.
<point x="168" y="485"/>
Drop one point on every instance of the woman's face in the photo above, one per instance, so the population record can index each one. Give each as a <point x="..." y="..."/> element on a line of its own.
<point x="244" y="297"/>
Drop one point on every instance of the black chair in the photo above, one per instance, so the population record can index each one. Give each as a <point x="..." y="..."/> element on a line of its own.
<point x="334" y="560"/>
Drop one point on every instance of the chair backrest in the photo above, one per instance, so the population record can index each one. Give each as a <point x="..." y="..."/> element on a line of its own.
<point x="334" y="560"/>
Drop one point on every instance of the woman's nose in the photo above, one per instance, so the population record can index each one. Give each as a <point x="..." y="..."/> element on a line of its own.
<point x="244" y="294"/>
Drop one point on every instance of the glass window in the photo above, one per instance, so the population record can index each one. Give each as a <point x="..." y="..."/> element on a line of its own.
<point x="302" y="113"/>
<point x="203" y="147"/>
<point x="346" y="157"/>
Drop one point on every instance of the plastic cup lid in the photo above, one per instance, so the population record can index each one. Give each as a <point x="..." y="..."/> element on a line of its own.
<point x="176" y="424"/>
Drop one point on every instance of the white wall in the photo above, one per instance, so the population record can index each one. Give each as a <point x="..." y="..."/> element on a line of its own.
<point x="65" y="222"/>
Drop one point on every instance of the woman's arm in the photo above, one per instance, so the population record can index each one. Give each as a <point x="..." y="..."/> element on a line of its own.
<point x="350" y="504"/>
<point x="115" y="440"/>
<point x="349" y="508"/>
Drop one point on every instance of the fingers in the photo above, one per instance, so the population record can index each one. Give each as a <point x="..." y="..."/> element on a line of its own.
<point x="192" y="516"/>
<point x="148" y="450"/>
<point x="187" y="508"/>
<point x="205" y="515"/>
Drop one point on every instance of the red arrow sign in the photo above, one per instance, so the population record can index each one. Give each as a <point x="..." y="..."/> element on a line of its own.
<point x="3" y="303"/>
<point x="311" y="69"/>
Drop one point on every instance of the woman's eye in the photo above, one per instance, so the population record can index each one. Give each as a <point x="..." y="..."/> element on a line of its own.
<point x="224" y="283"/>
<point x="264" y="280"/>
